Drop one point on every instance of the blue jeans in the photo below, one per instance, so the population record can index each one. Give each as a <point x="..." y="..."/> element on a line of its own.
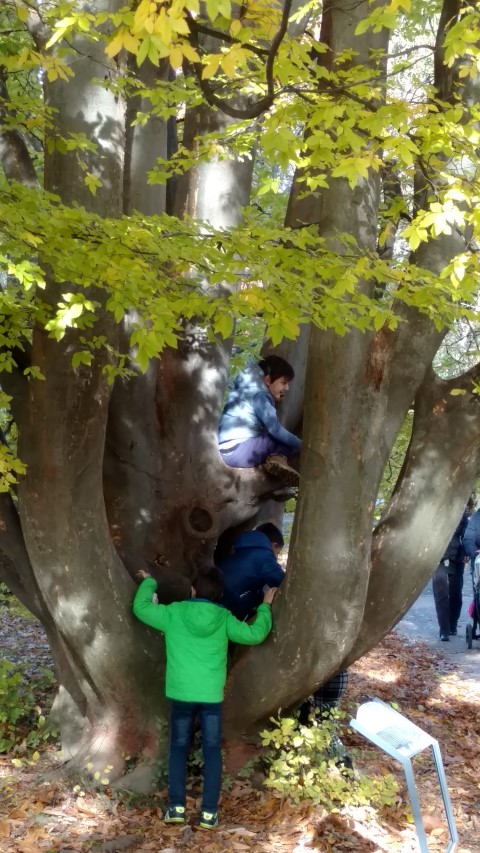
<point x="181" y="729"/>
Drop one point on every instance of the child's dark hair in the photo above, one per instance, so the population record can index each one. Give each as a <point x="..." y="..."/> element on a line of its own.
<point x="275" y="367"/>
<point x="208" y="583"/>
<point x="272" y="532"/>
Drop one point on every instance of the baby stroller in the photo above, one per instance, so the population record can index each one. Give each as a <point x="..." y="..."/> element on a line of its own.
<point x="474" y="609"/>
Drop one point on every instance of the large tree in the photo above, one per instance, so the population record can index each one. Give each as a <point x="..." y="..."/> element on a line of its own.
<point x="140" y="215"/>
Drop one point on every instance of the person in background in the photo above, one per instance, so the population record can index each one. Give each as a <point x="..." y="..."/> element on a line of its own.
<point x="250" y="433"/>
<point x="324" y="700"/>
<point x="447" y="581"/>
<point x="471" y="537"/>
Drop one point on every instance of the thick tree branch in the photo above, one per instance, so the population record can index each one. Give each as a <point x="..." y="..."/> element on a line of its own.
<point x="15" y="568"/>
<point x="256" y="109"/>
<point x="442" y="462"/>
<point x="445" y="77"/>
<point x="14" y="155"/>
<point x="197" y="27"/>
<point x="15" y="383"/>
<point x="392" y="190"/>
<point x="36" y="26"/>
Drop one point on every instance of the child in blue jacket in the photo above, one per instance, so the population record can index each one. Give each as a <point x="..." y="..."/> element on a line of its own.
<point x="250" y="433"/>
<point x="252" y="566"/>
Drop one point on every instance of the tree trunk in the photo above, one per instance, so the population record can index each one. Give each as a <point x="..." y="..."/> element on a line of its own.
<point x="145" y="455"/>
<point x="440" y="469"/>
<point x="170" y="475"/>
<point x="358" y="391"/>
<point x="61" y="439"/>
<point x="340" y="464"/>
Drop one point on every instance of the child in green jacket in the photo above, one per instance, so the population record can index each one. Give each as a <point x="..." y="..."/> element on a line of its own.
<point x="197" y="632"/>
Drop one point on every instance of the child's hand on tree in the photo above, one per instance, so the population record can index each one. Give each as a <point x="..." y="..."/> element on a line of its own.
<point x="141" y="575"/>
<point x="269" y="595"/>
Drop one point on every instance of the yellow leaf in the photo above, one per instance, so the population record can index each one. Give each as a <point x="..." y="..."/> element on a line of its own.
<point x="61" y="28"/>
<point x="115" y="45"/>
<point x="131" y="43"/>
<point x="163" y="27"/>
<point x="189" y="52"/>
<point x="179" y="25"/>
<point x="229" y="64"/>
<point x="176" y="58"/>
<point x="400" y="4"/>
<point x="212" y="66"/>
<point x="150" y="24"/>
<point x="141" y="15"/>
<point x="235" y="28"/>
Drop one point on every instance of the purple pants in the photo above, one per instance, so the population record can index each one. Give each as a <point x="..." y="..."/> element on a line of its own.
<point x="254" y="451"/>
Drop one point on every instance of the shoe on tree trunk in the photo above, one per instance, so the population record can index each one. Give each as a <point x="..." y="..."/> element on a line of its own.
<point x="284" y="494"/>
<point x="277" y="466"/>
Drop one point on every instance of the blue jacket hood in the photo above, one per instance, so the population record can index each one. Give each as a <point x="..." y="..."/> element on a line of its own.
<point x="250" y="381"/>
<point x="253" y="539"/>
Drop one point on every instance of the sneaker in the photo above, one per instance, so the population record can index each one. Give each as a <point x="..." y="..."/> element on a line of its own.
<point x="453" y="632"/>
<point x="208" y="820"/>
<point x="174" y="814"/>
<point x="277" y="466"/>
<point x="444" y="638"/>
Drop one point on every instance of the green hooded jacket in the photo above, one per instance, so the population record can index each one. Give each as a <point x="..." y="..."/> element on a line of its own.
<point x="196" y="636"/>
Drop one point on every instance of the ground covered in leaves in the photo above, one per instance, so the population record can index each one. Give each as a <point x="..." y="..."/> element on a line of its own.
<point x="42" y="813"/>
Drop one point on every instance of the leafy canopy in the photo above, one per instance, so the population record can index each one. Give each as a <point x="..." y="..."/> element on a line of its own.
<point x="296" y="106"/>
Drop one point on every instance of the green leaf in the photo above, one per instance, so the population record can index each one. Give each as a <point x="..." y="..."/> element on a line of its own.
<point x="82" y="357"/>
<point x="224" y="324"/>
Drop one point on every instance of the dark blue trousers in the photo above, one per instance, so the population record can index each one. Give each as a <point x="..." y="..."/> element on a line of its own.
<point x="447" y="585"/>
<point x="182" y="718"/>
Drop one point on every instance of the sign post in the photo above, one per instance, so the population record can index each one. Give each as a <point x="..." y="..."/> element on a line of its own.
<point x="402" y="739"/>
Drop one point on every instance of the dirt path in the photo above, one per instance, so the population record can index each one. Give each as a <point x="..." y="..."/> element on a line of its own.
<point x="420" y="623"/>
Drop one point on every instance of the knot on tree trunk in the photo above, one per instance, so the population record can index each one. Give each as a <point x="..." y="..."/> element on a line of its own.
<point x="200" y="522"/>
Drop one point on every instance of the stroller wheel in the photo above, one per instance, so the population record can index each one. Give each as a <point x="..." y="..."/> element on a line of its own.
<point x="469" y="636"/>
